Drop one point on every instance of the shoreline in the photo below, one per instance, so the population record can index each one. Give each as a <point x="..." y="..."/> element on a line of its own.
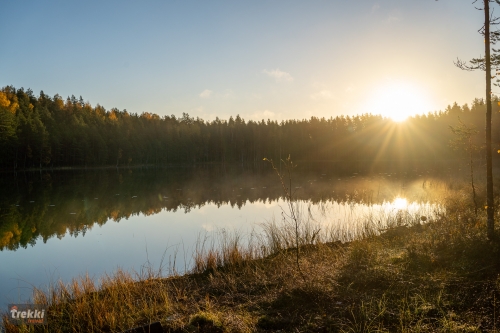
<point x="442" y="275"/>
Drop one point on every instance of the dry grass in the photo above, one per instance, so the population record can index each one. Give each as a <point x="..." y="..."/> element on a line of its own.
<point x="442" y="276"/>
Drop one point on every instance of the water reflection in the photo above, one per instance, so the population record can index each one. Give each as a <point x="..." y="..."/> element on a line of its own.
<point x="400" y="203"/>
<point x="41" y="206"/>
<point x="63" y="224"/>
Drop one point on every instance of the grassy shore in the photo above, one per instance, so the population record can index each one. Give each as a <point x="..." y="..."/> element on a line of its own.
<point x="438" y="276"/>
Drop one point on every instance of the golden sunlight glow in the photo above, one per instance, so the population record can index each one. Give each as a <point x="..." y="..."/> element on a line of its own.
<point x="398" y="101"/>
<point x="400" y="203"/>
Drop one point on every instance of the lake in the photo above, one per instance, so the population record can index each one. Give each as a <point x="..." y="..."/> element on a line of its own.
<point x="61" y="224"/>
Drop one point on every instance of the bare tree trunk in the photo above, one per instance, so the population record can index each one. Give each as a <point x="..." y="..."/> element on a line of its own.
<point x="489" y="173"/>
<point x="472" y="178"/>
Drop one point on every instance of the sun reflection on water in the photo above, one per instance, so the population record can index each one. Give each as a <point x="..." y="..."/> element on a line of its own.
<point x="400" y="203"/>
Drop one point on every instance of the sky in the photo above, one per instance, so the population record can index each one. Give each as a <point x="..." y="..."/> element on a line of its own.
<point x="273" y="59"/>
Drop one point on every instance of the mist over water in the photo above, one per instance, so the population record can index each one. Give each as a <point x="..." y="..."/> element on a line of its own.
<point x="57" y="225"/>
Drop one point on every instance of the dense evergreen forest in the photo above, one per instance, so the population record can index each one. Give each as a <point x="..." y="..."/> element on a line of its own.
<point x="43" y="131"/>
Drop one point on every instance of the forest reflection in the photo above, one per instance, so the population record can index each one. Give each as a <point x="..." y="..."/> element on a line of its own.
<point x="40" y="205"/>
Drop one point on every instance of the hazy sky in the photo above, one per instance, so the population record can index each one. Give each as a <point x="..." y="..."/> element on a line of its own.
<point x="274" y="59"/>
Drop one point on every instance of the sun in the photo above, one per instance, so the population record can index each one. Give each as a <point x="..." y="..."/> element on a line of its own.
<point x="398" y="101"/>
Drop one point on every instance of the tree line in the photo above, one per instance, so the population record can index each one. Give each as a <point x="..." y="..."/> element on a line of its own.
<point x="45" y="132"/>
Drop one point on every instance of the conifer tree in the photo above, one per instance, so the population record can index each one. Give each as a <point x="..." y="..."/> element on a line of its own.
<point x="486" y="63"/>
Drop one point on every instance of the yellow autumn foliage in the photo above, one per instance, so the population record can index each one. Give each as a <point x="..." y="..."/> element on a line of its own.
<point x="5" y="239"/>
<point x="10" y="237"/>
<point x="115" y="215"/>
<point x="112" y="116"/>
<point x="6" y="103"/>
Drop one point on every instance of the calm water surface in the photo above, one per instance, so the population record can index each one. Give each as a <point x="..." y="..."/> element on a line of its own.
<point x="58" y="225"/>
